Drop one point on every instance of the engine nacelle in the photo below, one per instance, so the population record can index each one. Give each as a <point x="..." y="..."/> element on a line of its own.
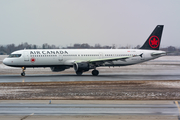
<point x="59" y="68"/>
<point x="81" y="67"/>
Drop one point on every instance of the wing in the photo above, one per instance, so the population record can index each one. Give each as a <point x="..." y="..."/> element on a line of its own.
<point x="109" y="59"/>
<point x="123" y="58"/>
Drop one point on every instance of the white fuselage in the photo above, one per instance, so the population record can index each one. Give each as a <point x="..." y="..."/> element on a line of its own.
<point x="67" y="57"/>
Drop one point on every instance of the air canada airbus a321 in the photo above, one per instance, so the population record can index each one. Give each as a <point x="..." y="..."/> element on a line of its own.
<point x="83" y="60"/>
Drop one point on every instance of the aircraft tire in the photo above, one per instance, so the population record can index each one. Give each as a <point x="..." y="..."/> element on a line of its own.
<point x="95" y="72"/>
<point x="23" y="74"/>
<point x="79" y="73"/>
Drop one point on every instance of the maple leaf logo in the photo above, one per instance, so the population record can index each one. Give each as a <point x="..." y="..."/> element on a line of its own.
<point x="154" y="41"/>
<point x="33" y="60"/>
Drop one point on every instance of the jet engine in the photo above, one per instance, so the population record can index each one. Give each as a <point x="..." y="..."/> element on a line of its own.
<point x="59" y="68"/>
<point x="81" y="67"/>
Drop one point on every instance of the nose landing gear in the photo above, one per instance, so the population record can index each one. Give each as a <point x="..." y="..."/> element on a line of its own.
<point x="23" y="71"/>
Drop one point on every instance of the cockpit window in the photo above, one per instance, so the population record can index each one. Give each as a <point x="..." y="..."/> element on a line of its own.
<point x="14" y="55"/>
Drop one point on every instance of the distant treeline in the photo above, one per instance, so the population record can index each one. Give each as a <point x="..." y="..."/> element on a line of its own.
<point x="8" y="49"/>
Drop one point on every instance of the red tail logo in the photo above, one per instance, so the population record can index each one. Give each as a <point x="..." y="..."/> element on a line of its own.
<point x="154" y="41"/>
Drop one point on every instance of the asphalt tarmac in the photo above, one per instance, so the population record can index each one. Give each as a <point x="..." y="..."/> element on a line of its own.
<point x="39" y="108"/>
<point x="72" y="77"/>
<point x="89" y="110"/>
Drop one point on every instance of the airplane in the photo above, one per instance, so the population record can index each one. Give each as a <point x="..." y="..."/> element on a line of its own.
<point x="83" y="60"/>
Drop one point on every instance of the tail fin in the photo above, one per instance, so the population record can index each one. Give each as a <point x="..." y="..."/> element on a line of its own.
<point x="154" y="40"/>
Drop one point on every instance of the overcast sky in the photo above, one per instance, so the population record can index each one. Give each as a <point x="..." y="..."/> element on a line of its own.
<point x="65" y="22"/>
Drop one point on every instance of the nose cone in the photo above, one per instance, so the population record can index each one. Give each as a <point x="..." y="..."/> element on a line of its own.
<point x="5" y="61"/>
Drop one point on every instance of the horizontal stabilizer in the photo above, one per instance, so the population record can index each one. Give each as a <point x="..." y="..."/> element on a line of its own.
<point x="159" y="53"/>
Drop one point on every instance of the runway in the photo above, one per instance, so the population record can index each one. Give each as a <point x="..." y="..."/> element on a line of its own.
<point x="87" y="109"/>
<point x="72" y="109"/>
<point x="86" y="77"/>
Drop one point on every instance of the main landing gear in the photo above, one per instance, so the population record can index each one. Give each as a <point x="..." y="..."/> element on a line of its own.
<point x="95" y="72"/>
<point x="23" y="71"/>
<point x="79" y="73"/>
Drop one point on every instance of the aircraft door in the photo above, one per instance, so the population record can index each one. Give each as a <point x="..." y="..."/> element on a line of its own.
<point x="26" y="56"/>
<point x="100" y="55"/>
<point x="60" y="58"/>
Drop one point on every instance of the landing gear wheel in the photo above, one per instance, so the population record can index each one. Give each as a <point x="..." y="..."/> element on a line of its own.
<point x="23" y="71"/>
<point x="23" y="74"/>
<point x="95" y="72"/>
<point x="79" y="73"/>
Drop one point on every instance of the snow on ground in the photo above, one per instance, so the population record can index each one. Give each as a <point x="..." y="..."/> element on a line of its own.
<point x="18" y="90"/>
<point x="167" y="84"/>
<point x="168" y="58"/>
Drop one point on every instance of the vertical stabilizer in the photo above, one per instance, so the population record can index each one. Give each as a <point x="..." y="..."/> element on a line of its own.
<point x="154" y="40"/>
